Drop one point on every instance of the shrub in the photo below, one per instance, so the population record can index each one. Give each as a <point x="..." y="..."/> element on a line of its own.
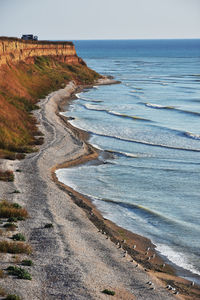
<point x="10" y="226"/>
<point x="15" y="247"/>
<point x="108" y="292"/>
<point x="12" y="297"/>
<point x="2" y="274"/>
<point x="12" y="219"/>
<point x="48" y="225"/>
<point x="19" y="272"/>
<point x="15" y="192"/>
<point x="8" y="210"/>
<point x="18" y="237"/>
<point x="6" y="175"/>
<point x="2" y="292"/>
<point x="27" y="262"/>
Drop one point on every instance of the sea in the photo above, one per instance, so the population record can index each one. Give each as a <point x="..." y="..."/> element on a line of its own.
<point x="149" y="127"/>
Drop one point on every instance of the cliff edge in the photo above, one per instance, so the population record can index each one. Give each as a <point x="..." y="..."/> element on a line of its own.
<point x="30" y="70"/>
<point x="14" y="50"/>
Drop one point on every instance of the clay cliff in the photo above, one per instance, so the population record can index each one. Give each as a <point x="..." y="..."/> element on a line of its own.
<point x="15" y="50"/>
<point x="30" y="70"/>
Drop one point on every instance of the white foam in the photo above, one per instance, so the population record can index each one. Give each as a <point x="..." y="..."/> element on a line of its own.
<point x="78" y="95"/>
<point x="178" y="258"/>
<point x="192" y="135"/>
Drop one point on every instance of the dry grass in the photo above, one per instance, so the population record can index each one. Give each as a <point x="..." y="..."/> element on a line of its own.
<point x="15" y="247"/>
<point x="21" y="86"/>
<point x="2" y="274"/>
<point x="2" y="292"/>
<point x="6" y="175"/>
<point x="8" y="210"/>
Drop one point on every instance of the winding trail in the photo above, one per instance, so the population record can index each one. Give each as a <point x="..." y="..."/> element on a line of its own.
<point x="72" y="260"/>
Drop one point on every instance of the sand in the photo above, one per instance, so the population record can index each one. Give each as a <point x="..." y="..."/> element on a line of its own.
<point x="72" y="260"/>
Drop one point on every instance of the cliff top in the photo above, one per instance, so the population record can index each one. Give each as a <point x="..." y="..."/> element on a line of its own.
<point x="12" y="39"/>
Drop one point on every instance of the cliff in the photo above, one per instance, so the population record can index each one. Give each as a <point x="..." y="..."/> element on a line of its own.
<point x="29" y="71"/>
<point x="15" y="50"/>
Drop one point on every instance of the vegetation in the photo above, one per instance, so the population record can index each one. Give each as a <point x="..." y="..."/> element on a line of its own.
<point x="48" y="225"/>
<point x="6" y="175"/>
<point x="19" y="237"/>
<point x="2" y="292"/>
<point x="15" y="247"/>
<point x="19" y="272"/>
<point x="10" y="226"/>
<point x="12" y="210"/>
<point x="2" y="274"/>
<point x="12" y="297"/>
<point x="108" y="292"/>
<point x="27" y="262"/>
<point x="20" y="88"/>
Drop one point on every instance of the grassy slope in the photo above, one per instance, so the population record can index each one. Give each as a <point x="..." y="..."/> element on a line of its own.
<point x="20" y="88"/>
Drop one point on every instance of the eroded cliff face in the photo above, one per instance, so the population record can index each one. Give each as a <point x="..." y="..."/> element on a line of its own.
<point x="28" y="72"/>
<point x="15" y="50"/>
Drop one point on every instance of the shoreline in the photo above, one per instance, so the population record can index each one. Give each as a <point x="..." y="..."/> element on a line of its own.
<point x="157" y="265"/>
<point x="73" y="260"/>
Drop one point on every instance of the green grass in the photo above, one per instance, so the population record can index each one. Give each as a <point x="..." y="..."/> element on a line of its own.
<point x="12" y="297"/>
<point x="19" y="272"/>
<point x="27" y="262"/>
<point x="108" y="292"/>
<point x="48" y="225"/>
<point x="19" y="237"/>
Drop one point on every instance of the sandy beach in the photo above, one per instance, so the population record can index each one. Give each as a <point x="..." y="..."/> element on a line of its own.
<point x="74" y="260"/>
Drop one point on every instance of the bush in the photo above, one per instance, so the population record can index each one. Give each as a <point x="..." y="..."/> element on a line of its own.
<point x="2" y="292"/>
<point x="12" y="297"/>
<point x="49" y="225"/>
<point x="10" y="226"/>
<point x="19" y="272"/>
<point x="6" y="175"/>
<point x="2" y="274"/>
<point x="108" y="292"/>
<point x="15" y="247"/>
<point x="15" y="192"/>
<point x="27" y="262"/>
<point x="19" y="237"/>
<point x="8" y="210"/>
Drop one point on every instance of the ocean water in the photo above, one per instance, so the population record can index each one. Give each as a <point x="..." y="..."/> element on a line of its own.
<point x="150" y="124"/>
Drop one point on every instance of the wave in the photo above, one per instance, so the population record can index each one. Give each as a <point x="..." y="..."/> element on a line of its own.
<point x="158" y="106"/>
<point x="121" y="153"/>
<point x="178" y="258"/>
<point x="144" y="142"/>
<point x="114" y="113"/>
<point x="150" y="215"/>
<point x="79" y="96"/>
<point x="192" y="135"/>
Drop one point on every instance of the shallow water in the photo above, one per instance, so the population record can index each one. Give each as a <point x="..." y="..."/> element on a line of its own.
<point x="151" y="124"/>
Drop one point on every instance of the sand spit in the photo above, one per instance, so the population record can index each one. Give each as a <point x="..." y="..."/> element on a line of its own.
<point x="72" y="260"/>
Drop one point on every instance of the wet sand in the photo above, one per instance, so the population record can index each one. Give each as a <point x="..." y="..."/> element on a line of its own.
<point x="78" y="257"/>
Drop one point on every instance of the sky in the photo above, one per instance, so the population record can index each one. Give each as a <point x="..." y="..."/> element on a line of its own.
<point x="100" y="19"/>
